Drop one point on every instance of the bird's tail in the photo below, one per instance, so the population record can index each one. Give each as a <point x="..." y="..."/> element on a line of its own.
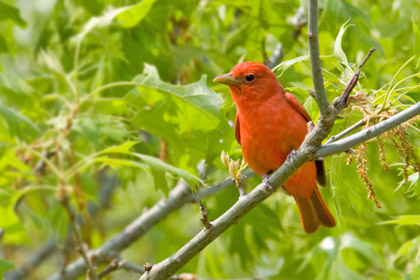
<point x="314" y="212"/>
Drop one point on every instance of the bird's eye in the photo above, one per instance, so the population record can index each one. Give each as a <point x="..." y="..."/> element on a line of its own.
<point x="250" y="77"/>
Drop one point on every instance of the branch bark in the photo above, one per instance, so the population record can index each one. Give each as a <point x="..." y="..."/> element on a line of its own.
<point x="346" y="131"/>
<point x="34" y="260"/>
<point x="369" y="133"/>
<point x="317" y="77"/>
<point x="179" y="196"/>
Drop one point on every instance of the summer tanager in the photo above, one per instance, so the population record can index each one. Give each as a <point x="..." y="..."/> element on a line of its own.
<point x="270" y="123"/>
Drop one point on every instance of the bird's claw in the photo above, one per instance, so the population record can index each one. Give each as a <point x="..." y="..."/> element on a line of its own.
<point x="291" y="156"/>
<point x="266" y="182"/>
<point x="310" y="126"/>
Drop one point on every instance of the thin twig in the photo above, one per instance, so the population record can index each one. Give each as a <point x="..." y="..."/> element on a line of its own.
<point x="108" y="185"/>
<point x="205" y="217"/>
<point x="342" y="101"/>
<point x="40" y="167"/>
<point x="33" y="261"/>
<point x="91" y="274"/>
<point x="317" y="77"/>
<point x="238" y="184"/>
<point x="369" y="133"/>
<point x="346" y="131"/>
<point x="299" y="20"/>
<point x="276" y="57"/>
<point x="132" y="267"/>
<point x="114" y="265"/>
<point x="178" y="197"/>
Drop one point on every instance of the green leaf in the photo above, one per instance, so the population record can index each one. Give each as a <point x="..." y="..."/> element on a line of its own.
<point x="416" y="38"/>
<point x="120" y="149"/>
<point x="4" y="264"/>
<point x="404" y="220"/>
<point x="159" y="169"/>
<point x="101" y="21"/>
<point x="10" y="12"/>
<point x="409" y="248"/>
<point x="283" y="66"/>
<point x="3" y="45"/>
<point x="115" y="162"/>
<point x="131" y="16"/>
<point x="338" y="50"/>
<point x="101" y="132"/>
<point x="19" y="125"/>
<point x="187" y="117"/>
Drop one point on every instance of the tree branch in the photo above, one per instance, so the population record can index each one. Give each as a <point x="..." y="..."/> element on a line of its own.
<point x="90" y="267"/>
<point x="318" y="80"/>
<point x="369" y="133"/>
<point x="276" y="57"/>
<point x="179" y="196"/>
<point x="342" y="102"/>
<point x="346" y="131"/>
<point x="114" y="265"/>
<point x="32" y="261"/>
<point x="108" y="185"/>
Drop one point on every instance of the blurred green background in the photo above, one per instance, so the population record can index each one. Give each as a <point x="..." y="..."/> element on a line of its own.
<point x="78" y="77"/>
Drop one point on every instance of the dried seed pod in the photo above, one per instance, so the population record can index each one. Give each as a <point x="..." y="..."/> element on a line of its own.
<point x="349" y="159"/>
<point x="362" y="171"/>
<point x="382" y="156"/>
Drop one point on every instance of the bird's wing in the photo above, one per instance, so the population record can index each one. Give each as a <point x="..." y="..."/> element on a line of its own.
<point x="237" y="130"/>
<point x="320" y="169"/>
<point x="297" y="106"/>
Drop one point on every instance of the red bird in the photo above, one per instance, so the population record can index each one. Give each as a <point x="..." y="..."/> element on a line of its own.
<point x="270" y="123"/>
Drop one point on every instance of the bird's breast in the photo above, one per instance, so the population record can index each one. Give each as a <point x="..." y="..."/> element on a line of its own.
<point x="269" y="131"/>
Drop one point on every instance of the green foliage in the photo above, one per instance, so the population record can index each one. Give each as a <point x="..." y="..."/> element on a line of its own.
<point x="124" y="88"/>
<point x="4" y="266"/>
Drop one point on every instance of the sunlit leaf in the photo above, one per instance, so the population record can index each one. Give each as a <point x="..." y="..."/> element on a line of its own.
<point x="406" y="220"/>
<point x="4" y="264"/>
<point x="338" y="50"/>
<point x="159" y="169"/>
<point x="120" y="149"/>
<point x="19" y="125"/>
<point x="12" y="13"/>
<point x="288" y="63"/>
<point x="131" y="16"/>
<point x="188" y="117"/>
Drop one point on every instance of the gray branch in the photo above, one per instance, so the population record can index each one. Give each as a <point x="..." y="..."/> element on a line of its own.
<point x="179" y="196"/>
<point x="33" y="261"/>
<point x="318" y="80"/>
<point x="369" y="133"/>
<point x="346" y="131"/>
<point x="276" y="57"/>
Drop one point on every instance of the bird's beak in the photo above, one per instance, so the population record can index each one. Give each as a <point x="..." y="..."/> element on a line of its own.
<point x="227" y="79"/>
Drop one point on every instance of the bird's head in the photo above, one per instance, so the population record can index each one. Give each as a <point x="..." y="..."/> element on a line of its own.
<point x="250" y="80"/>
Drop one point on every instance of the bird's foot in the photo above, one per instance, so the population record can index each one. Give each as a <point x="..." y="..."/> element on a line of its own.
<point x="291" y="156"/>
<point x="310" y="126"/>
<point x="266" y="181"/>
